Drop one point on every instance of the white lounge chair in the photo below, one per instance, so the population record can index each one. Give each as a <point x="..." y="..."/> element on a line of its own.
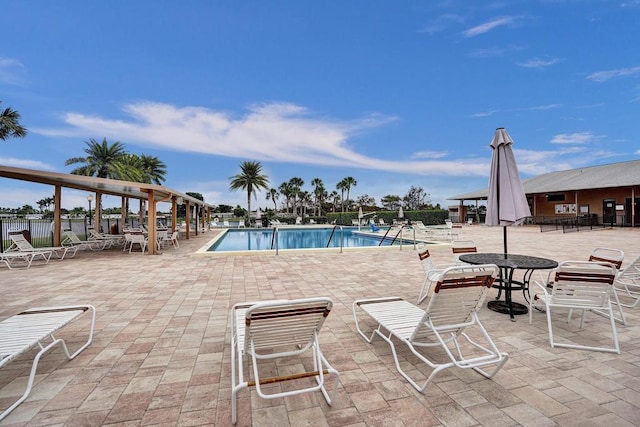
<point x="36" y="328"/>
<point x="269" y="330"/>
<point x="241" y="224"/>
<point x="457" y="297"/>
<point x="577" y="285"/>
<point x="225" y="223"/>
<point x="71" y="239"/>
<point x="109" y="239"/>
<point x="9" y="257"/>
<point x="21" y="244"/>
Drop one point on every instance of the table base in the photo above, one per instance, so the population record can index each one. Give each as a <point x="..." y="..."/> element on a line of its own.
<point x="503" y="307"/>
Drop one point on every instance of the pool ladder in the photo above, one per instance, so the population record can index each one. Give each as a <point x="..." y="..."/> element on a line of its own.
<point x="399" y="233"/>
<point x="341" y="236"/>
<point x="274" y="238"/>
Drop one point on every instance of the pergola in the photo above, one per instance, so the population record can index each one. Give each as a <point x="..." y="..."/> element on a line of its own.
<point x="150" y="193"/>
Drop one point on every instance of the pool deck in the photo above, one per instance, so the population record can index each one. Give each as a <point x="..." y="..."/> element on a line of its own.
<point x="161" y="352"/>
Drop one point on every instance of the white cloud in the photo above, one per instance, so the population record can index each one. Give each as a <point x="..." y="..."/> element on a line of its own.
<point x="429" y="155"/>
<point x="276" y="132"/>
<point x="11" y="71"/>
<point x="25" y="163"/>
<point x="488" y="26"/>
<point x="544" y="107"/>
<point x="603" y="76"/>
<point x="573" y="138"/>
<point x="538" y="63"/>
<point x="441" y="23"/>
<point x="485" y="114"/>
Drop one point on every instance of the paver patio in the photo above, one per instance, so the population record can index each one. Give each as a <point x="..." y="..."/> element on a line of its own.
<point x="161" y="352"/>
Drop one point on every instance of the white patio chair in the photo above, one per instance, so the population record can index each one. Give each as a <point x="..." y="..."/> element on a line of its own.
<point x="577" y="285"/>
<point x="615" y="257"/>
<point x="138" y="239"/>
<point x="628" y="284"/>
<point x="225" y="223"/>
<point x="173" y="238"/>
<point x="241" y="224"/>
<point x="461" y="247"/>
<point x="269" y="330"/>
<point x="453" y="308"/>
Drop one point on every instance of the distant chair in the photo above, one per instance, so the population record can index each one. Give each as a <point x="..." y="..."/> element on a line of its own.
<point x="241" y="224"/>
<point x="299" y="220"/>
<point x="225" y="223"/>
<point x="461" y="247"/>
<point x="381" y="221"/>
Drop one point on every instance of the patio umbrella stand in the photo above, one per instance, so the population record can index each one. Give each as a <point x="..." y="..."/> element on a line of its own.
<point x="506" y="205"/>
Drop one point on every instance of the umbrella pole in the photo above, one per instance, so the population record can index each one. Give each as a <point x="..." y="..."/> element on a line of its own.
<point x="504" y="238"/>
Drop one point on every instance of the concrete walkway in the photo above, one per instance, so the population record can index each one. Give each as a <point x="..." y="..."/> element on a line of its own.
<point x="161" y="353"/>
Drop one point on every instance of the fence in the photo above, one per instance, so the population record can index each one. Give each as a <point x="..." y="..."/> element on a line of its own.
<point x="568" y="225"/>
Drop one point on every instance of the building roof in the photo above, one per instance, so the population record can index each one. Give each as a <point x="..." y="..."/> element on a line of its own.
<point x="623" y="174"/>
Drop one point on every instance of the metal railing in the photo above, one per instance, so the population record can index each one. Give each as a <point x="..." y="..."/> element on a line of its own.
<point x="568" y="225"/>
<point x="333" y="231"/>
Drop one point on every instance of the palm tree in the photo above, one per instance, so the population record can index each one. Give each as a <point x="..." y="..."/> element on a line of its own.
<point x="318" y="189"/>
<point x="272" y="195"/>
<point x="341" y="186"/>
<point x="10" y="124"/>
<point x="101" y="160"/>
<point x="251" y="179"/>
<point x="335" y="199"/>
<point x="153" y="169"/>
<point x="295" y="184"/>
<point x="348" y="183"/>
<point x="286" y="191"/>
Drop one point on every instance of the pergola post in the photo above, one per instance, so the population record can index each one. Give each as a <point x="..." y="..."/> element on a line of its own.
<point x="151" y="226"/>
<point x="57" y="217"/>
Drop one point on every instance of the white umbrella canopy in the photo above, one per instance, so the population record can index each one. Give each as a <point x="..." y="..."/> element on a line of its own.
<point x="507" y="201"/>
<point x="400" y="213"/>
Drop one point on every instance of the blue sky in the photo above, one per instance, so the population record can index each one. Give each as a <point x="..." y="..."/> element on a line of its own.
<point x="391" y="93"/>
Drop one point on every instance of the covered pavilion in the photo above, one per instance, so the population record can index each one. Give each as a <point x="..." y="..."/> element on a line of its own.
<point x="150" y="193"/>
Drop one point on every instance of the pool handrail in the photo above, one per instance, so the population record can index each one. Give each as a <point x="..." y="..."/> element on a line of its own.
<point x="341" y="236"/>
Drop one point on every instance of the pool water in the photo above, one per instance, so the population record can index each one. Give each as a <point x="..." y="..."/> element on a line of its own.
<point x="295" y="238"/>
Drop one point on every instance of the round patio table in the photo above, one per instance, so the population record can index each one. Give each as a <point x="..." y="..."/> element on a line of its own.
<point x="508" y="263"/>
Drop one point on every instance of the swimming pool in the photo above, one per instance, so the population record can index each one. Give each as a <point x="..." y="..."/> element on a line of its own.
<point x="260" y="239"/>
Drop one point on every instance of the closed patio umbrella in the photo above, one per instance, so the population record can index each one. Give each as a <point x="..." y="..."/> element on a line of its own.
<point x="507" y="201"/>
<point x="400" y="213"/>
<point x="360" y="216"/>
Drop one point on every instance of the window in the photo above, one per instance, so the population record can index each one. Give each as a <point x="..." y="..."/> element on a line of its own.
<point x="555" y="197"/>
